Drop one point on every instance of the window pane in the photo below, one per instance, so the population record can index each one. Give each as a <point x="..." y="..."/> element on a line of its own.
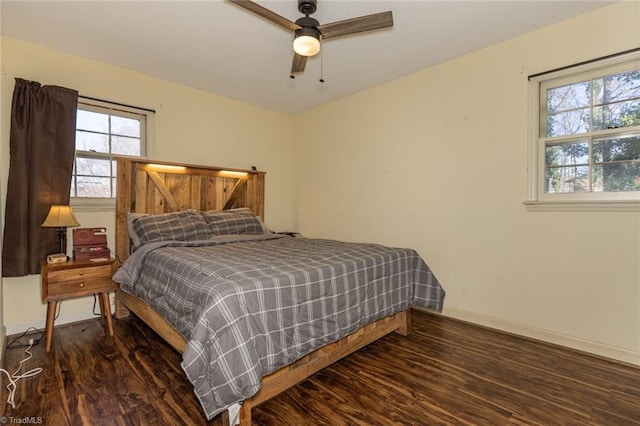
<point x="95" y="121"/>
<point x="93" y="166"/>
<point x="125" y="126"/>
<point x="616" y="149"/>
<point x="621" y="114"/>
<point x="567" y="154"/>
<point x="567" y="179"/>
<point x="92" y="142"/>
<point x="618" y="87"/>
<point x="99" y="187"/>
<point x="589" y="124"/>
<point x="568" y="123"/>
<point x="616" y="177"/>
<point x="569" y="97"/>
<point x="99" y="137"/>
<point x="125" y="146"/>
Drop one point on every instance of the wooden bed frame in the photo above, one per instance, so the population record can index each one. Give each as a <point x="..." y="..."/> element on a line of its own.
<point x="145" y="186"/>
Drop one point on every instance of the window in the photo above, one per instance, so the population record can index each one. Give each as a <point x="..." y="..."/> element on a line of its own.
<point x="104" y="131"/>
<point x="585" y="137"/>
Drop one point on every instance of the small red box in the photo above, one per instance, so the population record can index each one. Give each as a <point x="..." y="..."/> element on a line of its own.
<point x="90" y="243"/>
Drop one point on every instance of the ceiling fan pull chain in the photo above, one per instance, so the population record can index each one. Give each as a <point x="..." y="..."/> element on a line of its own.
<point x="321" y="65"/>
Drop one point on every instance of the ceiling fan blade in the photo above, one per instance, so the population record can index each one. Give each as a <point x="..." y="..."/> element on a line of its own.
<point x="298" y="64"/>
<point x="267" y="14"/>
<point x="356" y="25"/>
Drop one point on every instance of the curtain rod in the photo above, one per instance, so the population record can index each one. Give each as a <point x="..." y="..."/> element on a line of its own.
<point x="117" y="103"/>
<point x="590" y="61"/>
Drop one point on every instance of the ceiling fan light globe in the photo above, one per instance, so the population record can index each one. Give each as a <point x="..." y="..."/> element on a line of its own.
<point x="306" y="45"/>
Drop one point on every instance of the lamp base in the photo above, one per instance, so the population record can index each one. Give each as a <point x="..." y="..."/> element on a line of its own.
<point x="62" y="237"/>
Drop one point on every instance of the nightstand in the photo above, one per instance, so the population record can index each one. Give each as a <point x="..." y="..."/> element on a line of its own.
<point x="74" y="279"/>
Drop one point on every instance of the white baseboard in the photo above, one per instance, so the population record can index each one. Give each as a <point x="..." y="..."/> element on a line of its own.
<point x="62" y="319"/>
<point x="600" y="349"/>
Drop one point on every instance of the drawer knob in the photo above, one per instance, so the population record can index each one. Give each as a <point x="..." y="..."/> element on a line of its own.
<point x="81" y="273"/>
<point x="82" y="285"/>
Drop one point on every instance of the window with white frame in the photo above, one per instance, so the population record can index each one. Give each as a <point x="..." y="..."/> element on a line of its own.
<point x="585" y="140"/>
<point x="104" y="131"/>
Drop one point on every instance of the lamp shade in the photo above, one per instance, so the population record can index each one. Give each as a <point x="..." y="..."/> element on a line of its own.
<point x="306" y="42"/>
<point x="60" y="217"/>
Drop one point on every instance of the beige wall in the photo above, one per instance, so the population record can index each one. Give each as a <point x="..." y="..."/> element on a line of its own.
<point x="190" y="126"/>
<point x="437" y="161"/>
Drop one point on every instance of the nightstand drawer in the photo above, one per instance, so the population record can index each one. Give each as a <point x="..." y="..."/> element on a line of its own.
<point x="78" y="287"/>
<point x="86" y="273"/>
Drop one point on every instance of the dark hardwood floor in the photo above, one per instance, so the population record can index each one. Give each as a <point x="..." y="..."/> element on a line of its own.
<point x="444" y="372"/>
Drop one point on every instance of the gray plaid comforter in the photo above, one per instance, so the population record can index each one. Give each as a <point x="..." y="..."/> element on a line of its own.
<point x="248" y="305"/>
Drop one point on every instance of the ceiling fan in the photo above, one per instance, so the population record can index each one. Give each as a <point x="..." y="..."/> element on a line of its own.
<point x="308" y="32"/>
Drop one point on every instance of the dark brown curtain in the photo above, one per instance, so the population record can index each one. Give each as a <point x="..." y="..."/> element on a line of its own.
<point x="42" y="147"/>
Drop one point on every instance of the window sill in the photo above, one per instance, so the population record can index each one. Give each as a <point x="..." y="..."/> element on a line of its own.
<point x="93" y="204"/>
<point x="582" y="206"/>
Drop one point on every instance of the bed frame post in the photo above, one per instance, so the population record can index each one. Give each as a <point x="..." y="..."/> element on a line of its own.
<point x="245" y="413"/>
<point x="123" y="206"/>
<point x="405" y="323"/>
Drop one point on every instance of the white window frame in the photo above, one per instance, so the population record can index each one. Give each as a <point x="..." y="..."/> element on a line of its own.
<point x="537" y="199"/>
<point x="146" y="136"/>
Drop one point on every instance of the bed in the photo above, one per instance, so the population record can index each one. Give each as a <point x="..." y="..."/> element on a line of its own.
<point x="252" y="312"/>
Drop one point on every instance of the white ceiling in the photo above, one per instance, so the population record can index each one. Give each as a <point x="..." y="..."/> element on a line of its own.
<point x="221" y="48"/>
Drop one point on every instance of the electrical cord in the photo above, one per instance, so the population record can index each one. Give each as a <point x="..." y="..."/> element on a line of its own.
<point x="11" y="344"/>
<point x="117" y="258"/>
<point x="57" y="310"/>
<point x="13" y="378"/>
<point x="95" y="299"/>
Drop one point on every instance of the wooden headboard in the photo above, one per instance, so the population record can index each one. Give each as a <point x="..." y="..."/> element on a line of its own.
<point x="148" y="186"/>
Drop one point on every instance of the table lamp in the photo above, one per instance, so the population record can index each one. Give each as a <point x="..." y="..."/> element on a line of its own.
<point x="61" y="217"/>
